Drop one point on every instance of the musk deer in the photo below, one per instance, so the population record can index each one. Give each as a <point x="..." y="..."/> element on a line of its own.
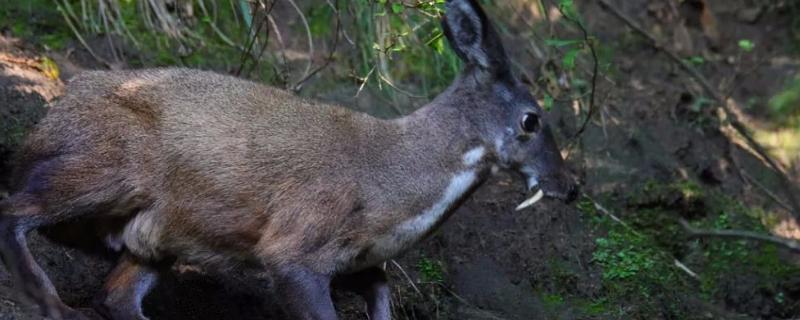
<point x="209" y="170"/>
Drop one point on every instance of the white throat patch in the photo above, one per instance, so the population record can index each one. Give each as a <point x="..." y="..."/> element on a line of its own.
<point x="472" y="157"/>
<point x="413" y="229"/>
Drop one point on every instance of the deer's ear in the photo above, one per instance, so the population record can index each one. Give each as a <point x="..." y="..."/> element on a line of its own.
<point x="472" y="36"/>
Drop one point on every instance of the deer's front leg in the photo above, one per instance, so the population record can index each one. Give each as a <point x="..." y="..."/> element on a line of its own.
<point x="307" y="294"/>
<point x="372" y="284"/>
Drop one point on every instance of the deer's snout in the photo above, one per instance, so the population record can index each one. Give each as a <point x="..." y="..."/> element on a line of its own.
<point x="562" y="186"/>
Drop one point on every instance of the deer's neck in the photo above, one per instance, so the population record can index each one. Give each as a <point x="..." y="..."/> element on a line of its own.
<point x="442" y="160"/>
<point x="434" y="163"/>
<point x="438" y="142"/>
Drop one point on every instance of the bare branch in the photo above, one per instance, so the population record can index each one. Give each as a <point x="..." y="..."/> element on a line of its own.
<point x="308" y="35"/>
<point x="790" y="244"/>
<point x="299" y="85"/>
<point x="247" y="53"/>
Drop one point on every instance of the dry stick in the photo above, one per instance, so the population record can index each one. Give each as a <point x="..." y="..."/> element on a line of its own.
<point x="299" y="85"/>
<point x="213" y="24"/>
<point x="254" y="36"/>
<point x="685" y="269"/>
<point x="605" y="211"/>
<point x="408" y="278"/>
<point x="308" y="35"/>
<point x="264" y="46"/>
<point x="80" y="37"/>
<point x="763" y="188"/>
<point x="283" y="68"/>
<point x="731" y="115"/>
<point x="784" y="242"/>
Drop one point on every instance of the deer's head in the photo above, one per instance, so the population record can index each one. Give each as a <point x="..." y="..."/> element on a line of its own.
<point x="508" y="117"/>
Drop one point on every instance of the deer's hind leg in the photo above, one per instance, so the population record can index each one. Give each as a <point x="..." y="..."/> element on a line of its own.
<point x="371" y="284"/>
<point x="18" y="215"/>
<point x="55" y="190"/>
<point x="307" y="293"/>
<point x="125" y="288"/>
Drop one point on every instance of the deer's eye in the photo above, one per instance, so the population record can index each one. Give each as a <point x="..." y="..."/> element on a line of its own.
<point x="530" y="123"/>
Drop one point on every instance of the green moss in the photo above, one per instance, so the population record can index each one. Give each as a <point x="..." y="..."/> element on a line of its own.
<point x="637" y="260"/>
<point x="623" y="255"/>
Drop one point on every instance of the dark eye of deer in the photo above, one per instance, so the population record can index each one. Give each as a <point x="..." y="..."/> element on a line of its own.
<point x="530" y="123"/>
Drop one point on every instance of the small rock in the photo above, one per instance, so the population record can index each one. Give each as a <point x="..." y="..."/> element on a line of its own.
<point x="750" y="15"/>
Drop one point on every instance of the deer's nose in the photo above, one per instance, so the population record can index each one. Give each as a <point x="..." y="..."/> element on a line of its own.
<point x="572" y="194"/>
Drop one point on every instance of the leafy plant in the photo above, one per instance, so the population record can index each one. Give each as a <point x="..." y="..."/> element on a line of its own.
<point x="786" y="104"/>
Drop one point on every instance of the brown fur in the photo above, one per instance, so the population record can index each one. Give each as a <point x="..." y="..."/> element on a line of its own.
<point x="231" y="168"/>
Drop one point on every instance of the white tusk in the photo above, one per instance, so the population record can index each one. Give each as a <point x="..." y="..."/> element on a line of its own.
<point x="531" y="201"/>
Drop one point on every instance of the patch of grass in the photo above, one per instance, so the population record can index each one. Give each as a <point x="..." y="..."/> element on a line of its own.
<point x="402" y="47"/>
<point x="36" y="21"/>
<point x="785" y="106"/>
<point x="430" y="270"/>
<point x="552" y="301"/>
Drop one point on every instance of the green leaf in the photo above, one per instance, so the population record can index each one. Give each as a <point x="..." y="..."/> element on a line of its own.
<point x="746" y="45"/>
<point x="548" y="105"/>
<point x="568" y="7"/>
<point x="569" y="59"/>
<point x="561" y="42"/>
<point x="436" y="41"/>
<point x="697" y="60"/>
<point x="397" y="8"/>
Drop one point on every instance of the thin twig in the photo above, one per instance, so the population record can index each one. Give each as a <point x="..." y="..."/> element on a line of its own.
<point x="299" y="85"/>
<point x="686" y="269"/>
<point x="213" y="24"/>
<point x="398" y="89"/>
<point x="726" y="108"/>
<point x="308" y="35"/>
<point x="80" y="37"/>
<point x="605" y="211"/>
<point x="364" y="81"/>
<point x="403" y="271"/>
<point x="763" y="188"/>
<point x="595" y="69"/>
<point x="254" y="37"/>
<point x="248" y="47"/>
<point x="283" y="68"/>
<point x="791" y="244"/>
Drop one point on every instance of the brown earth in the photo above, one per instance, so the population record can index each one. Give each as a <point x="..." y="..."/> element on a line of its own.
<point x="495" y="260"/>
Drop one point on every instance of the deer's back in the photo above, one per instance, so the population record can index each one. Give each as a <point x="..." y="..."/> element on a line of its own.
<point x="219" y="162"/>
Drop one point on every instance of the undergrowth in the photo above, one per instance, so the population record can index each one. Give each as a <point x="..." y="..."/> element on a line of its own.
<point x="638" y="258"/>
